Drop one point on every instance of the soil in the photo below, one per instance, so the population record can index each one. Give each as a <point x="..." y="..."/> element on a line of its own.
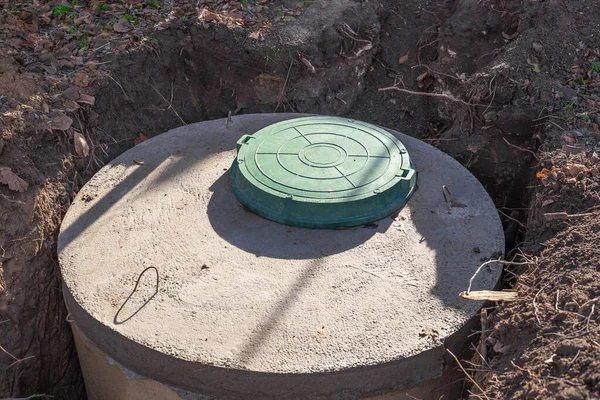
<point x="510" y="88"/>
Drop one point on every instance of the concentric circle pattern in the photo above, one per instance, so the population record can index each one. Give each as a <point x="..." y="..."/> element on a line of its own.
<point x="322" y="172"/>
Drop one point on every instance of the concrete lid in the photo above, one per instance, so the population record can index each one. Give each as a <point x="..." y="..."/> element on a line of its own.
<point x="282" y="310"/>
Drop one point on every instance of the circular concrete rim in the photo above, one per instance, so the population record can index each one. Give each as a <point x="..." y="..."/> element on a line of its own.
<point x="391" y="366"/>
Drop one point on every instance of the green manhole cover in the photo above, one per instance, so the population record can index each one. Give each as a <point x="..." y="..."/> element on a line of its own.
<point x="322" y="172"/>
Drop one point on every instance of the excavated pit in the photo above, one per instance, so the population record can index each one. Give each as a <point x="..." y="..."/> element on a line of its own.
<point x="204" y="73"/>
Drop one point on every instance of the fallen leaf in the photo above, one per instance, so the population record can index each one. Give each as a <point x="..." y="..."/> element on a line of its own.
<point x="551" y="360"/>
<point x="84" y="17"/>
<point x="403" y="59"/>
<point x="70" y="106"/>
<point x="547" y="202"/>
<point x="61" y="122"/>
<point x="82" y="149"/>
<point x="422" y="77"/>
<point x="139" y="139"/>
<point x="122" y="26"/>
<point x="574" y="169"/>
<point x="11" y="179"/>
<point x="429" y="332"/>
<point x="509" y="36"/>
<point x="308" y="65"/>
<point x="501" y="348"/>
<point x="87" y="99"/>
<point x="568" y="138"/>
<point x="80" y="79"/>
<point x="255" y="35"/>
<point x="535" y="68"/>
<point x="138" y="162"/>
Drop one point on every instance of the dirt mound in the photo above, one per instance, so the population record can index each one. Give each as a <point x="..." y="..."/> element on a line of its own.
<point x="546" y="344"/>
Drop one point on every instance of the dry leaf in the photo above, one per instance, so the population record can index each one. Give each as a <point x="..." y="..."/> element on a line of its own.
<point x="84" y="17"/>
<point x="308" y="65"/>
<point x="422" y="77"/>
<point x="501" y="348"/>
<point x="70" y="106"/>
<point x="11" y="179"/>
<point x="547" y="202"/>
<point x="122" y="26"/>
<point x="574" y="169"/>
<point x="61" y="122"/>
<point x="139" y="139"/>
<point x="82" y="149"/>
<point x="509" y="37"/>
<point x="403" y="59"/>
<point x="429" y="332"/>
<point x="255" y="35"/>
<point x="80" y="79"/>
<point x="87" y="99"/>
<point x="489" y="295"/>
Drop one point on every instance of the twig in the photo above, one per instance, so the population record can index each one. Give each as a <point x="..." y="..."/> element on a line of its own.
<point x="564" y="215"/>
<point x="33" y="396"/>
<point x="434" y="72"/>
<point x="571" y="363"/>
<point x="5" y="321"/>
<point x="169" y="103"/>
<point x="492" y="262"/>
<point x="467" y="374"/>
<point x="493" y="94"/>
<point x="400" y="16"/>
<point x="282" y="93"/>
<point x="12" y="201"/>
<point x="479" y="332"/>
<point x="10" y="355"/>
<point x="436" y="95"/>
<point x="19" y="361"/>
<point x="113" y="79"/>
<point x="535" y="309"/>
<point x="587" y="322"/>
<point x="556" y="302"/>
<point x="512" y="219"/>
<point x="519" y="148"/>
<point x="566" y="381"/>
<point x="483" y="339"/>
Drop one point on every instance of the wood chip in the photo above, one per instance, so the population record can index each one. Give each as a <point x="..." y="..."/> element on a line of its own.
<point x="492" y="295"/>
<point x="564" y="215"/>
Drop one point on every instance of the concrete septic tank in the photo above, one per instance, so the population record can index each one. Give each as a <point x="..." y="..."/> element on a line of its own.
<point x="176" y="290"/>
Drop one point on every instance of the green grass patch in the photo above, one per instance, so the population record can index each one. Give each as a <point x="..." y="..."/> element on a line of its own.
<point x="61" y="10"/>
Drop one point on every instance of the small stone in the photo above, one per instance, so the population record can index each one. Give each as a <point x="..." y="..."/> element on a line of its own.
<point x="537" y="46"/>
